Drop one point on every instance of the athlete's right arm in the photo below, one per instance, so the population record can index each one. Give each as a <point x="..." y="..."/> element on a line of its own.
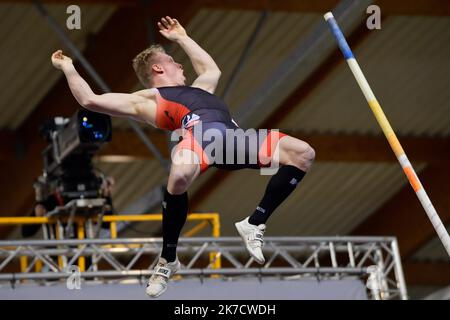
<point x="139" y="106"/>
<point x="207" y="70"/>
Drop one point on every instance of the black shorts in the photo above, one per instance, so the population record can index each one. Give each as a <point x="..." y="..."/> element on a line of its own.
<point x="226" y="146"/>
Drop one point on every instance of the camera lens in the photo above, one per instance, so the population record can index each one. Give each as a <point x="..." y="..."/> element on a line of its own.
<point x="94" y="127"/>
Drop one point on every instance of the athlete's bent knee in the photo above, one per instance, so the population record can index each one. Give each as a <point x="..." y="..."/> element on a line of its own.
<point x="180" y="182"/>
<point x="309" y="155"/>
<point x="304" y="157"/>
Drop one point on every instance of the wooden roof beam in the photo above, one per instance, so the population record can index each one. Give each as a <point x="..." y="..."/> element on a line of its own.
<point x="329" y="147"/>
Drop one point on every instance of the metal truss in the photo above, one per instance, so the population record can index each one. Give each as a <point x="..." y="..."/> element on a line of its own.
<point x="374" y="260"/>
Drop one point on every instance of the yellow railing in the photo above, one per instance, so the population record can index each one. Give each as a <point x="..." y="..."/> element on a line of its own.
<point x="204" y="219"/>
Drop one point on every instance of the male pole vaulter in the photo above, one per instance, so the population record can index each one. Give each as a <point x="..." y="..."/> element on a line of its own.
<point x="168" y="103"/>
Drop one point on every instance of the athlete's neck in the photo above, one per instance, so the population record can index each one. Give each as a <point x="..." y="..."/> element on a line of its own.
<point x="164" y="82"/>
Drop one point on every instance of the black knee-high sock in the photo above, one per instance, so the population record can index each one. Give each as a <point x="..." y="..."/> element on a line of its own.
<point x="278" y="189"/>
<point x="175" y="209"/>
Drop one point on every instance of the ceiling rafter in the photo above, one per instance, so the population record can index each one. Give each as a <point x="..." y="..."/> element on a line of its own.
<point x="329" y="147"/>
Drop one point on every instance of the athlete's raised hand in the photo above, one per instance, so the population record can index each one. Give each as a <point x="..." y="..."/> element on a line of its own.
<point x="59" y="60"/>
<point x="171" y="29"/>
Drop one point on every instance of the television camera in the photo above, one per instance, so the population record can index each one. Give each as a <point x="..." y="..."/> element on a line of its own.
<point x="68" y="174"/>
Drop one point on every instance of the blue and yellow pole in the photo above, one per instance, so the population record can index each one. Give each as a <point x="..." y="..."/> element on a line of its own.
<point x="389" y="132"/>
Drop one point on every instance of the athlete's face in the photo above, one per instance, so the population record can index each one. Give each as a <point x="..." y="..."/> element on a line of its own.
<point x="172" y="69"/>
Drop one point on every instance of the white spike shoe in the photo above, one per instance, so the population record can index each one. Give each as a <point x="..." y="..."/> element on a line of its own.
<point x="253" y="238"/>
<point x="157" y="283"/>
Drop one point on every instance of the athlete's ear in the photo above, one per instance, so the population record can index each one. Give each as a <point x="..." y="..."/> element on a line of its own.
<point x="157" y="68"/>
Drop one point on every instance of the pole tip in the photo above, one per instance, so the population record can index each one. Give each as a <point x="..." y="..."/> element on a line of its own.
<point x="328" y="15"/>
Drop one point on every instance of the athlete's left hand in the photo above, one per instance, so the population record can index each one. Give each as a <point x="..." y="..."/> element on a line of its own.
<point x="171" y="29"/>
<point x="59" y="60"/>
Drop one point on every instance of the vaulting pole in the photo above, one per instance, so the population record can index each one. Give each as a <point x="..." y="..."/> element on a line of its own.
<point x="389" y="133"/>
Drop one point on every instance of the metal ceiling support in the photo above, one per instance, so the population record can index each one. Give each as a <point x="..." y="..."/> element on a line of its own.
<point x="301" y="63"/>
<point x="243" y="58"/>
<point x="98" y="80"/>
<point x="374" y="260"/>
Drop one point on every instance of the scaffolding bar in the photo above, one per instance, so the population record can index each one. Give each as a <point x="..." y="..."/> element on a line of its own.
<point x="374" y="259"/>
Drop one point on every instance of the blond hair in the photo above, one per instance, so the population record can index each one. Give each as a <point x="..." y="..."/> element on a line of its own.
<point x="143" y="61"/>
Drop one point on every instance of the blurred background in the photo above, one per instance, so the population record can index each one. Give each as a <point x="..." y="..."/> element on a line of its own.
<point x="281" y="69"/>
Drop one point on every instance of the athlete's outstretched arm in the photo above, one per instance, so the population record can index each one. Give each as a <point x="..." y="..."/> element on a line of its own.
<point x="136" y="106"/>
<point x="207" y="70"/>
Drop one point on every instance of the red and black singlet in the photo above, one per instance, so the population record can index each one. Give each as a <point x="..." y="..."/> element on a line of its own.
<point x="183" y="106"/>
